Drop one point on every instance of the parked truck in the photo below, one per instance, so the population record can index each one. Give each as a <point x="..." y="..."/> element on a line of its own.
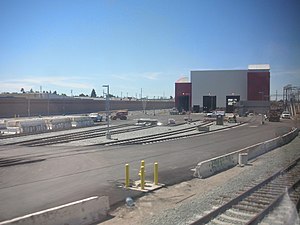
<point x="274" y="112"/>
<point x="274" y="115"/>
<point x="122" y="115"/>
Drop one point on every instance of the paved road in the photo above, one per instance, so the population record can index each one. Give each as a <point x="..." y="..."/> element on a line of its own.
<point x="33" y="179"/>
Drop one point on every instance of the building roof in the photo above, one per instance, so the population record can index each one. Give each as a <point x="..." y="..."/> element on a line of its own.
<point x="183" y="80"/>
<point x="259" y="67"/>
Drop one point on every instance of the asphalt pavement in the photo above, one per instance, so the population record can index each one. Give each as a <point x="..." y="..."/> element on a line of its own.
<point x="37" y="178"/>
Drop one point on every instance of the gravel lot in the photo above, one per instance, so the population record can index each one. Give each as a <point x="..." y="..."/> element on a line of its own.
<point x="185" y="202"/>
<point x="161" y="115"/>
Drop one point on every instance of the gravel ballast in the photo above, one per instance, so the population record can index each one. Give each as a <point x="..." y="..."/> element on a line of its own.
<point x="186" y="202"/>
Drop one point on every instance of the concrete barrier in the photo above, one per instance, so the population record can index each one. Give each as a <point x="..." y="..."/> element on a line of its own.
<point x="255" y="150"/>
<point x="82" y="121"/>
<point x="86" y="211"/>
<point x="45" y="124"/>
<point x="2" y="124"/>
<point x="205" y="128"/>
<point x="26" y="126"/>
<point x="210" y="167"/>
<point x="58" y="123"/>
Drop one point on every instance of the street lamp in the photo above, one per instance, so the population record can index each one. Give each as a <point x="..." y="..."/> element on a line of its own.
<point x="108" y="135"/>
<point x="262" y="100"/>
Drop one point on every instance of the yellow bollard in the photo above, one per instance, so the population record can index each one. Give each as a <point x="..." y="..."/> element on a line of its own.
<point x="142" y="164"/>
<point x="156" y="173"/>
<point x="142" y="177"/>
<point x="126" y="175"/>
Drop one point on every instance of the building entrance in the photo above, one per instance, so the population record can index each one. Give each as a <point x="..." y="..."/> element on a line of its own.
<point x="231" y="101"/>
<point x="184" y="103"/>
<point x="209" y="103"/>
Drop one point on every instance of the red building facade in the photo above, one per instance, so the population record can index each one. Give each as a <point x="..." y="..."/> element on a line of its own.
<point x="183" y="95"/>
<point x="258" y="85"/>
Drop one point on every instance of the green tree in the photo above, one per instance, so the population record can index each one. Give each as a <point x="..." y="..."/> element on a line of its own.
<point x="93" y="94"/>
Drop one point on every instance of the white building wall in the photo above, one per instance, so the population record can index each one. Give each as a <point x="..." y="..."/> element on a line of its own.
<point x="218" y="83"/>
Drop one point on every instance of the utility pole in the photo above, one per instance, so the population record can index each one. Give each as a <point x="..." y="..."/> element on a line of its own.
<point x="108" y="135"/>
<point x="262" y="100"/>
<point x="48" y="104"/>
<point x="28" y="106"/>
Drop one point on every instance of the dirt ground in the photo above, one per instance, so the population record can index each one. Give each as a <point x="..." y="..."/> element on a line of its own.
<point x="166" y="198"/>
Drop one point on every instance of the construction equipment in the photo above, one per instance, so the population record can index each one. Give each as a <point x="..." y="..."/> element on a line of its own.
<point x="274" y="112"/>
<point x="122" y="115"/>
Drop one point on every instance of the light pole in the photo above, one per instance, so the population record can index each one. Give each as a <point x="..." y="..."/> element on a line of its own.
<point x="28" y="108"/>
<point x="188" y="106"/>
<point x="108" y="135"/>
<point x="262" y="102"/>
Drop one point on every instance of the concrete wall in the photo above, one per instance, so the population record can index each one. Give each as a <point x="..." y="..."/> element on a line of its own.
<point x="86" y="211"/>
<point x="10" y="107"/>
<point x="218" y="83"/>
<point x="210" y="167"/>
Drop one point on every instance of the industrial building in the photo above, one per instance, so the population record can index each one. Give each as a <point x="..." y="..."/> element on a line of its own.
<point x="209" y="90"/>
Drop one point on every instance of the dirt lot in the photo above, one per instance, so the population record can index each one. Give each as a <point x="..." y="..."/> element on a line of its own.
<point x="166" y="198"/>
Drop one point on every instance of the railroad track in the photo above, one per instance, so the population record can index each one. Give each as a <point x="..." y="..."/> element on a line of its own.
<point x="253" y="205"/>
<point x="175" y="134"/>
<point x="77" y="136"/>
<point x="7" y="136"/>
<point x="64" y="138"/>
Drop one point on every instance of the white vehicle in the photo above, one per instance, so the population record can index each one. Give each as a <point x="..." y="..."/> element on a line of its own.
<point x="215" y="113"/>
<point x="171" y="121"/>
<point x="285" y="115"/>
<point x="96" y="117"/>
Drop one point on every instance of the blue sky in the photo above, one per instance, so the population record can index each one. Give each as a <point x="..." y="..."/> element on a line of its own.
<point x="80" y="45"/>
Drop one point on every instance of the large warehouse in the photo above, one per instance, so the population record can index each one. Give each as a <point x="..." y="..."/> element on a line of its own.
<point x="222" y="89"/>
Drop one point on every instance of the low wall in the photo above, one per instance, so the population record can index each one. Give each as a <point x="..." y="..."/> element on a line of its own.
<point x="86" y="211"/>
<point x="210" y="167"/>
<point x="11" y="107"/>
<point x="39" y="125"/>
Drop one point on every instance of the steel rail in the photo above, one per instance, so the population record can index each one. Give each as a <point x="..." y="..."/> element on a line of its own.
<point x="7" y="136"/>
<point x="76" y="136"/>
<point x="162" y="137"/>
<point x="63" y="136"/>
<point x="79" y="137"/>
<point x="259" y="216"/>
<point x="73" y="138"/>
<point x="154" y="137"/>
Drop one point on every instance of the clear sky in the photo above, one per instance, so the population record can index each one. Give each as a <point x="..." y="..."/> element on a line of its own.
<point x="79" y="45"/>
